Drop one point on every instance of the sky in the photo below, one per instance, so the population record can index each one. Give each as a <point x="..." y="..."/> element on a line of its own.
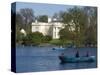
<point x="43" y="9"/>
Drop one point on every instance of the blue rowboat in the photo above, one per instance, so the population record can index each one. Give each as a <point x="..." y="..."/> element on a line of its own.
<point x="57" y="48"/>
<point x="65" y="59"/>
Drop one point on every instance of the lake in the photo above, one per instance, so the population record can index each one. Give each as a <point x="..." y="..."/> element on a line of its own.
<point x="35" y="59"/>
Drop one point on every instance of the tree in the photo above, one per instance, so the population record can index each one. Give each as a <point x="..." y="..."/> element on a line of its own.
<point x="19" y="37"/>
<point x="47" y="38"/>
<point x="42" y="18"/>
<point x="35" y="38"/>
<point x="77" y="18"/>
<point x="28" y="15"/>
<point x="24" y="18"/>
<point x="67" y="36"/>
<point x="64" y="33"/>
<point x="84" y="22"/>
<point x="19" y="19"/>
<point x="91" y="31"/>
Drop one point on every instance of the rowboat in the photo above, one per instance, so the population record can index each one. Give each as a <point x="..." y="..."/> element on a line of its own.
<point x="65" y="59"/>
<point x="57" y="48"/>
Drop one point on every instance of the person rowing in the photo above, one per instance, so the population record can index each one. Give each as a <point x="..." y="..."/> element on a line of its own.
<point x="87" y="55"/>
<point x="77" y="54"/>
<point x="61" y="56"/>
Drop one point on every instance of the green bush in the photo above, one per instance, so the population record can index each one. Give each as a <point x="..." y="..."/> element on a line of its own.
<point x="47" y="38"/>
<point x="35" y="37"/>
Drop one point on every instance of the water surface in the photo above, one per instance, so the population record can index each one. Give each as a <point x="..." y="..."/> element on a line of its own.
<point x="33" y="59"/>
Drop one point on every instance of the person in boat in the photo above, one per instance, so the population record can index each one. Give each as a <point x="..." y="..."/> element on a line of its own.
<point x="87" y="55"/>
<point x="77" y="54"/>
<point x="62" y="55"/>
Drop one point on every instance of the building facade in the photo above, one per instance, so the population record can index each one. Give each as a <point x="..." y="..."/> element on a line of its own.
<point x="51" y="28"/>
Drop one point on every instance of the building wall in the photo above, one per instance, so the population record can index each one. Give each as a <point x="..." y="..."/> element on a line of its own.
<point x="41" y="27"/>
<point x="51" y="29"/>
<point x="57" y="26"/>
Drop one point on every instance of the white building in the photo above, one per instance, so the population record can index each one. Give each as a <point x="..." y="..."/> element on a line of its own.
<point x="51" y="28"/>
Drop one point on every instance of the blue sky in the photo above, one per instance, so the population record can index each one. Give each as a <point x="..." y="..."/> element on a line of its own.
<point x="43" y="9"/>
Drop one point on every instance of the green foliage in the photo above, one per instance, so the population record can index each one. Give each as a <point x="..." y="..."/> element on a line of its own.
<point x="20" y="37"/>
<point x="35" y="38"/>
<point x="85" y="25"/>
<point x="42" y="18"/>
<point x="59" y="42"/>
<point x="47" y="38"/>
<point x="66" y="34"/>
<point x="56" y="42"/>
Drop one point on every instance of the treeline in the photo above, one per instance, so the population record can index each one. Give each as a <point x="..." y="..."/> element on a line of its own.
<point x="81" y="28"/>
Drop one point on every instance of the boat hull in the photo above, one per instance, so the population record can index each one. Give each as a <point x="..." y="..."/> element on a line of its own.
<point x="65" y="59"/>
<point x="58" y="48"/>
